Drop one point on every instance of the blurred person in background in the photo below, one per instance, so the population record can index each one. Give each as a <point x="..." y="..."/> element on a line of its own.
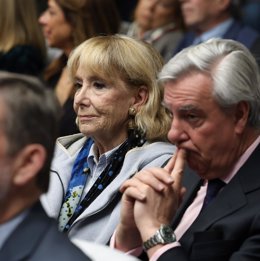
<point x="28" y="130"/>
<point x="65" y="24"/>
<point x="22" y="44"/>
<point x="217" y="19"/>
<point x="158" y="22"/>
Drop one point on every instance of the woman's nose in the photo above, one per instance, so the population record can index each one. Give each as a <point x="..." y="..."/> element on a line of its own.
<point x="82" y="96"/>
<point x="42" y="18"/>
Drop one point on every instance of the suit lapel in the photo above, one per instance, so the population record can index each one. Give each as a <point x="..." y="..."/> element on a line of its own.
<point x="231" y="198"/>
<point x="27" y="236"/>
<point x="228" y="201"/>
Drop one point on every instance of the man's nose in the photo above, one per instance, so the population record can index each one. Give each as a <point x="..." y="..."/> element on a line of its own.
<point x="177" y="133"/>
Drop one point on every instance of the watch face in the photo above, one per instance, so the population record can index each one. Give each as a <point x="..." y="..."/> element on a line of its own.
<point x="167" y="234"/>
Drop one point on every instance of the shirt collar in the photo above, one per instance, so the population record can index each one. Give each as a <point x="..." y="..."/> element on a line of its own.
<point x="7" y="228"/>
<point x="242" y="160"/>
<point x="93" y="158"/>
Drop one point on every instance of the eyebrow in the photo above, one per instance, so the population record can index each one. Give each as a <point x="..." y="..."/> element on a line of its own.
<point x="91" y="77"/>
<point x="184" y="108"/>
<point x="188" y="107"/>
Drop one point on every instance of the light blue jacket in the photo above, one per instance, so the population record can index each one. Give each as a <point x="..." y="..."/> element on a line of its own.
<point x="98" y="222"/>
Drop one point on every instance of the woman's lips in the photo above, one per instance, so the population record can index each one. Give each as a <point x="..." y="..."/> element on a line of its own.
<point x="86" y="117"/>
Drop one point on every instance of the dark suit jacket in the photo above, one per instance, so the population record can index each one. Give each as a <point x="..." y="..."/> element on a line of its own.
<point x="237" y="31"/>
<point x="37" y="238"/>
<point x="229" y="228"/>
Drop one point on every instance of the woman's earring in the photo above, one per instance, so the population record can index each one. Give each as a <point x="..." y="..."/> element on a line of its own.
<point x="77" y="121"/>
<point x="132" y="111"/>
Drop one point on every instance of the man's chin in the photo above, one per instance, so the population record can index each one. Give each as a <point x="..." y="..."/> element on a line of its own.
<point x="196" y="164"/>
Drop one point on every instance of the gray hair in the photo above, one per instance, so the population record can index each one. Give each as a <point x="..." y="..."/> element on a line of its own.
<point x="231" y="66"/>
<point x="32" y="116"/>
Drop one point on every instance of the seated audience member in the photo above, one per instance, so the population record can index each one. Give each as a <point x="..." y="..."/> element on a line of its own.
<point x="216" y="19"/>
<point x="28" y="130"/>
<point x="123" y="130"/>
<point x="22" y="44"/>
<point x="213" y="93"/>
<point x="158" y="22"/>
<point x="66" y="24"/>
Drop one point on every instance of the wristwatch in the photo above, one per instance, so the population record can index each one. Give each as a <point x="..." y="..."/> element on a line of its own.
<point x="164" y="235"/>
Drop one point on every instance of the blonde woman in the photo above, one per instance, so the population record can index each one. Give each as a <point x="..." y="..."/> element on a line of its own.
<point x="123" y="129"/>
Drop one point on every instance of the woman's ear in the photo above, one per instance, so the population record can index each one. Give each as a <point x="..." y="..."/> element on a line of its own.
<point x="141" y="97"/>
<point x="28" y="163"/>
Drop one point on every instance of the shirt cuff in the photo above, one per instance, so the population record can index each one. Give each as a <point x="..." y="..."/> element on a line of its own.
<point x="112" y="242"/>
<point x="162" y="250"/>
<point x="134" y="252"/>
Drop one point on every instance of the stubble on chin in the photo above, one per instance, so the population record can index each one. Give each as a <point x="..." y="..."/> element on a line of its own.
<point x="196" y="163"/>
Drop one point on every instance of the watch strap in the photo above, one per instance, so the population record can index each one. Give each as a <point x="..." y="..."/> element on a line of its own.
<point x="158" y="237"/>
<point x="152" y="241"/>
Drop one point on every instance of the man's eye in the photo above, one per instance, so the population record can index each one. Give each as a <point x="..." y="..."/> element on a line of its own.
<point x="192" y="117"/>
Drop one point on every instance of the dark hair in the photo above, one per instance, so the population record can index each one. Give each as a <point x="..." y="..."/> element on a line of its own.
<point x="32" y="117"/>
<point x="88" y="18"/>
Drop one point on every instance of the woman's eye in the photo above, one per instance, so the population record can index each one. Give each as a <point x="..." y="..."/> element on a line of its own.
<point x="99" y="85"/>
<point x="77" y="85"/>
<point x="166" y="4"/>
<point x="51" y="11"/>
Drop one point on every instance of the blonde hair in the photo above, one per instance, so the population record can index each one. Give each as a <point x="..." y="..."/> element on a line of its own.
<point x="134" y="62"/>
<point x="19" y="25"/>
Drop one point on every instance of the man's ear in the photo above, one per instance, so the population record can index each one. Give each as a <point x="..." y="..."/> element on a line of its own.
<point x="141" y="97"/>
<point x="28" y="163"/>
<point x="241" y="116"/>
